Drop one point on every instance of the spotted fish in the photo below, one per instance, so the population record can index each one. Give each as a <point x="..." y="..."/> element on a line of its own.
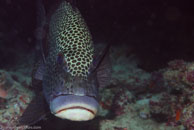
<point x="71" y="70"/>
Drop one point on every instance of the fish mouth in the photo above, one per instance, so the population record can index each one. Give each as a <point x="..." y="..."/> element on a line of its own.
<point x="74" y="108"/>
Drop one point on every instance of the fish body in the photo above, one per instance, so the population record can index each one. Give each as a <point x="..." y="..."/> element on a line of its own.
<point x="67" y="66"/>
<point x="70" y="49"/>
<point x="70" y="74"/>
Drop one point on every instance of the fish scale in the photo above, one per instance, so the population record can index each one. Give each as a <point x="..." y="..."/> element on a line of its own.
<point x="69" y="34"/>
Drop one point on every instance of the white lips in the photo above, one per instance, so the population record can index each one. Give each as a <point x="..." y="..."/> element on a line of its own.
<point x="75" y="108"/>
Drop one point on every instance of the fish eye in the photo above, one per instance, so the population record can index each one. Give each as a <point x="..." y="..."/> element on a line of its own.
<point x="60" y="58"/>
<point x="61" y="61"/>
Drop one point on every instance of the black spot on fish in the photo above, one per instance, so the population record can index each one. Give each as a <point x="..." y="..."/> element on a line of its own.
<point x="81" y="55"/>
<point x="72" y="57"/>
<point x="78" y="63"/>
<point x="68" y="55"/>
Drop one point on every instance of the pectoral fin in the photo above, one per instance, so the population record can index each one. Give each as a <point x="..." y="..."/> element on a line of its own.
<point x="38" y="70"/>
<point x="102" y="66"/>
<point x="37" y="76"/>
<point x="36" y="111"/>
<point x="104" y="72"/>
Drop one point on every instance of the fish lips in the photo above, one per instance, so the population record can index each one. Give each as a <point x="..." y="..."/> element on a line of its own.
<point x="74" y="108"/>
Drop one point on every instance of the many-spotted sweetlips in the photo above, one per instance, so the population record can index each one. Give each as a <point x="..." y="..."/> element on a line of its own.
<point x="70" y="71"/>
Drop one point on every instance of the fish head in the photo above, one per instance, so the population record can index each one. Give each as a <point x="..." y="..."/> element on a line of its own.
<point x="71" y="97"/>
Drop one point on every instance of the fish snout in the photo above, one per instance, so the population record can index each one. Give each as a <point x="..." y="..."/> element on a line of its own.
<point x="73" y="107"/>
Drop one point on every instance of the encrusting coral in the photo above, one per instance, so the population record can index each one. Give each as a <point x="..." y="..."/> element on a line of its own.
<point x="177" y="104"/>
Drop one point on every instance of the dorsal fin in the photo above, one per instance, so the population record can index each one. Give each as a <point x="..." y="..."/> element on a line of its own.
<point x="72" y="2"/>
<point x="40" y="28"/>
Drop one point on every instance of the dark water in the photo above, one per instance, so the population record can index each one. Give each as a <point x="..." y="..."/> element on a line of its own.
<point x="156" y="31"/>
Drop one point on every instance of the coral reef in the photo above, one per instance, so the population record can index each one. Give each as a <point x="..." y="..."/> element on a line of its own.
<point x="14" y="98"/>
<point x="134" y="99"/>
<point x="176" y="104"/>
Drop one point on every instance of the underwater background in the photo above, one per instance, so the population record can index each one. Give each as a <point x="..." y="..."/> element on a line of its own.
<point x="152" y="57"/>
